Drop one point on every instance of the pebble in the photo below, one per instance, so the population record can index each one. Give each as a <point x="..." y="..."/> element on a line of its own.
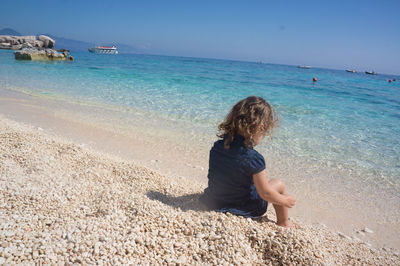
<point x="367" y="244"/>
<point x="343" y="235"/>
<point x="367" y="230"/>
<point x="200" y="236"/>
<point x="361" y="233"/>
<point x="214" y="237"/>
<point x="181" y="260"/>
<point x="97" y="248"/>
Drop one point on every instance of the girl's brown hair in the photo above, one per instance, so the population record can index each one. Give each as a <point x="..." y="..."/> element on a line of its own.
<point x="247" y="117"/>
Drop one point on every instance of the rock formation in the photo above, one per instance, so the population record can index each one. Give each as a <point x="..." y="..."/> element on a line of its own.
<point x="31" y="48"/>
<point x="41" y="54"/>
<point x="19" y="42"/>
<point x="47" y="41"/>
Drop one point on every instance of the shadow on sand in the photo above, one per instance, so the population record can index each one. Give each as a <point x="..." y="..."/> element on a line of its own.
<point x="185" y="202"/>
<point x="190" y="202"/>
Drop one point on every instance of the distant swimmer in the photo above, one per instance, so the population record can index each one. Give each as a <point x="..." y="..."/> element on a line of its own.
<point x="314" y="79"/>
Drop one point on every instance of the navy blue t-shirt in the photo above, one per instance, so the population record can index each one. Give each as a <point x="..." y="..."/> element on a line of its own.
<point x="230" y="177"/>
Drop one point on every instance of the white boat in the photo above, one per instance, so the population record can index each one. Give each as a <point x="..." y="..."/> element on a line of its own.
<point x="305" y="67"/>
<point x="104" y="49"/>
<point x="371" y="73"/>
<point x="351" y="70"/>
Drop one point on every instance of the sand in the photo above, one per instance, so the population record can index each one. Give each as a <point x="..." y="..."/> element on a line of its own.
<point x="62" y="202"/>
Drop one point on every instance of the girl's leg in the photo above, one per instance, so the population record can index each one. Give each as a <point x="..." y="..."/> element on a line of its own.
<point x="282" y="216"/>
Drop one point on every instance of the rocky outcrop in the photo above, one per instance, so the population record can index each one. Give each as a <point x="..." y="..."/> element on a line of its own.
<point x="19" y="42"/>
<point x="47" y="41"/>
<point x="41" y="54"/>
<point x="31" y="48"/>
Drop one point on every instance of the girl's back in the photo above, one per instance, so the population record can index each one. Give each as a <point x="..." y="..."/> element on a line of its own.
<point x="230" y="174"/>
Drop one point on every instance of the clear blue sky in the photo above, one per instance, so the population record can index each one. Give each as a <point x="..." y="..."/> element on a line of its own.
<point x="364" y="35"/>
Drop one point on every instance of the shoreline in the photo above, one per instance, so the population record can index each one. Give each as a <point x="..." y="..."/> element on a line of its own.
<point x="72" y="204"/>
<point x="176" y="158"/>
<point x="139" y="143"/>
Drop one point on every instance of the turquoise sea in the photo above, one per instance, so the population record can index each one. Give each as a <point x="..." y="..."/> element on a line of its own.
<point x="348" y="121"/>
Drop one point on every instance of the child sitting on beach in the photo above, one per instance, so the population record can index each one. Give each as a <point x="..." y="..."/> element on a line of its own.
<point x="237" y="181"/>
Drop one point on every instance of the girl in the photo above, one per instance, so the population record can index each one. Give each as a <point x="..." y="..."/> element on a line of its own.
<point x="237" y="182"/>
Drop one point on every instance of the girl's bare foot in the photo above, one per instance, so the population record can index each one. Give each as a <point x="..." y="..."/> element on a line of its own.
<point x="286" y="224"/>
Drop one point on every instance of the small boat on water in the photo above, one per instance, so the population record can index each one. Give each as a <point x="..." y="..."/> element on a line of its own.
<point x="351" y="70"/>
<point x="104" y="49"/>
<point x="371" y="73"/>
<point x="305" y="67"/>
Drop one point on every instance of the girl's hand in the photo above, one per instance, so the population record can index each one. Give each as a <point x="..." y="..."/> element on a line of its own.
<point x="290" y="201"/>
